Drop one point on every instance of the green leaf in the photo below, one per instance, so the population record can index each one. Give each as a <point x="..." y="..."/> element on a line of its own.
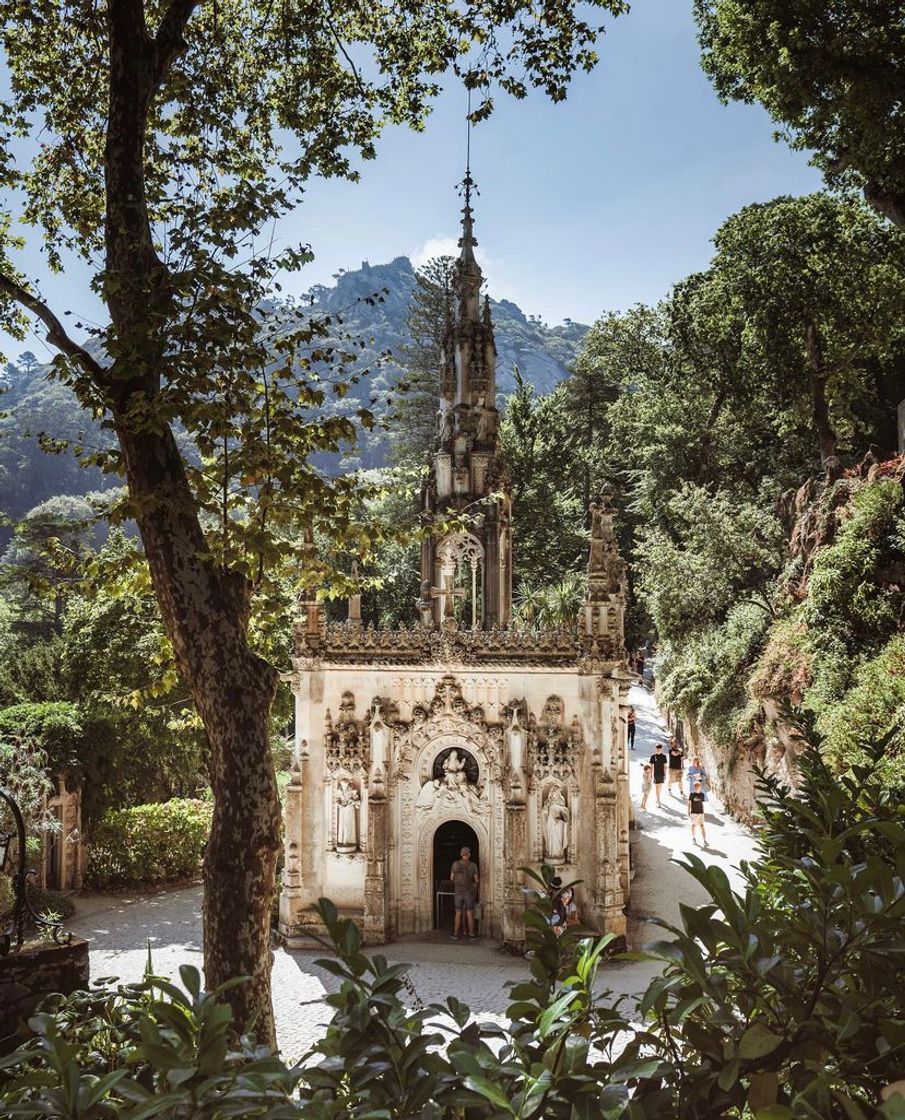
<point x="758" y="1041"/>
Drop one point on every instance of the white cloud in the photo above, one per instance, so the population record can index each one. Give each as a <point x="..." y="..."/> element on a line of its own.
<point x="490" y="266"/>
<point x="435" y="247"/>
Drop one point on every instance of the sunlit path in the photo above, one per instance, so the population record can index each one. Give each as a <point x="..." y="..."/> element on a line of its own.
<point x="663" y="835"/>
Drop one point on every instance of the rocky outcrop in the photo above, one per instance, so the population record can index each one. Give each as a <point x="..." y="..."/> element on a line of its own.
<point x="733" y="777"/>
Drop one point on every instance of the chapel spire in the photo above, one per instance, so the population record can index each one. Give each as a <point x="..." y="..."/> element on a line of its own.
<point x="468" y="378"/>
<point x="467" y="473"/>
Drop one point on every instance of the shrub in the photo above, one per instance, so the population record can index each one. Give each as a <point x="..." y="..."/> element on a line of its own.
<point x="874" y="705"/>
<point x="148" y="843"/>
<point x="850" y="600"/>
<point x="782" y="1001"/>
<point x="784" y="668"/>
<point x="56" y="728"/>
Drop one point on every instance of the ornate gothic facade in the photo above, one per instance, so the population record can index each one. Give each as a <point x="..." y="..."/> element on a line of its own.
<point x="463" y="728"/>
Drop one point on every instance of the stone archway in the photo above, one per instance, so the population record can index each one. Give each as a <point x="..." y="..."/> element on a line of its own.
<point x="416" y="813"/>
<point x="449" y="839"/>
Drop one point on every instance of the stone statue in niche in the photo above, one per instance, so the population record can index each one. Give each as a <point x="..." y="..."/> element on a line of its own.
<point x="347" y="802"/>
<point x="556" y="826"/>
<point x="446" y="421"/>
<point x="454" y="771"/>
<point x="453" y="783"/>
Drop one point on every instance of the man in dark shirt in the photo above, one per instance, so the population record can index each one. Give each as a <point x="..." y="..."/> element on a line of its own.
<point x="696" y="812"/>
<point x="464" y="875"/>
<point x="676" y="758"/>
<point x="658" y="761"/>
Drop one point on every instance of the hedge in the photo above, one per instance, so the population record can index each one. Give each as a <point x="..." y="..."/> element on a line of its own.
<point x="148" y="843"/>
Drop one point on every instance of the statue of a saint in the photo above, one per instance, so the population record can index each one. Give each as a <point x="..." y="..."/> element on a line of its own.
<point x="446" y="421"/>
<point x="556" y="827"/>
<point x="454" y="770"/>
<point x="347" y="802"/>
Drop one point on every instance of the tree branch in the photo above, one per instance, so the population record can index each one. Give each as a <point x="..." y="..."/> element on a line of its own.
<point x="170" y="42"/>
<point x="56" y="335"/>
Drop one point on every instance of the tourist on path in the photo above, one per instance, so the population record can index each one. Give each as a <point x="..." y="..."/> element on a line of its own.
<point x="697" y="773"/>
<point x="464" y="875"/>
<point x="647" y="773"/>
<point x="696" y="812"/>
<point x="676" y="759"/>
<point x="658" y="762"/>
<point x="630" y="727"/>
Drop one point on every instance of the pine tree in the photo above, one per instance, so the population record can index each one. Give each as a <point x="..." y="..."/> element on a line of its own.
<point x="415" y="426"/>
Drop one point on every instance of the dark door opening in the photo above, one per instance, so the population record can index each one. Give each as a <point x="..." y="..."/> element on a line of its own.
<point x="449" y="840"/>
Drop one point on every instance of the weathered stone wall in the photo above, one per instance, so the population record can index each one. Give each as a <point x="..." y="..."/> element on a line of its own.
<point x="732" y="778"/>
<point x="31" y="974"/>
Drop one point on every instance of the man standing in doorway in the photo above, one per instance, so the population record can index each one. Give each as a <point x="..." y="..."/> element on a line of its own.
<point x="658" y="761"/>
<point x="464" y="875"/>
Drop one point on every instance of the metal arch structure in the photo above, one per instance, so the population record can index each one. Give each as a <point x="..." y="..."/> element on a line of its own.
<point x="14" y="934"/>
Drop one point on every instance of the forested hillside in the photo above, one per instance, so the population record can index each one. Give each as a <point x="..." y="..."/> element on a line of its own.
<point x="748" y="426"/>
<point x="368" y="308"/>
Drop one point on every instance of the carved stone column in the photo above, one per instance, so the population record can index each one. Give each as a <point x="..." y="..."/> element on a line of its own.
<point x="623" y="796"/>
<point x="376" y="911"/>
<point x="515" y="856"/>
<point x="607" y="888"/>
<point x="291" y="896"/>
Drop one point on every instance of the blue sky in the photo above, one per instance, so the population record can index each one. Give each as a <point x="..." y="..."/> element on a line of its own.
<point x="594" y="204"/>
<point x="591" y="205"/>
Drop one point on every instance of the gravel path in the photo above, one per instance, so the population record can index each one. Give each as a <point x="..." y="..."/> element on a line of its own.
<point x="120" y="928"/>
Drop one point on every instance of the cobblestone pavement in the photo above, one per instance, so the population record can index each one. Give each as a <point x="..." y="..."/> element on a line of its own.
<point x="121" y="928"/>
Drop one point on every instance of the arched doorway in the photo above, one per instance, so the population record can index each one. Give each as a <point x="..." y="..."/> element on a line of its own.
<point x="449" y="840"/>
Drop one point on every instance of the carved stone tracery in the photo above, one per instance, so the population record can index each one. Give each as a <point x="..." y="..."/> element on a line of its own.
<point x="347" y="739"/>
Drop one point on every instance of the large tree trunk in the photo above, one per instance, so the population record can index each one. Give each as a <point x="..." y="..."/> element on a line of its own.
<point x="204" y="608"/>
<point x="205" y="612"/>
<point x="891" y="204"/>
<point x="820" y="409"/>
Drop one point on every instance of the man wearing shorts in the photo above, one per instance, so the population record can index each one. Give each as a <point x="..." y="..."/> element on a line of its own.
<point x="464" y="875"/>
<point x="658" y="761"/>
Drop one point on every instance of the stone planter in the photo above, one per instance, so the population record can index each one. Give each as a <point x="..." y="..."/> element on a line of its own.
<point x="36" y="971"/>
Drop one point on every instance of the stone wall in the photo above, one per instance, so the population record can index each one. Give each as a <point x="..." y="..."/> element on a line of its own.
<point x="34" y="972"/>
<point x="732" y="778"/>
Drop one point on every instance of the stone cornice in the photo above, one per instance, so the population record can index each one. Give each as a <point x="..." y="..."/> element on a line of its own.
<point x="346" y="644"/>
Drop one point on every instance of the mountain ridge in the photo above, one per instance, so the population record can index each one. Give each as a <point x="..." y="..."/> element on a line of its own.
<point x="30" y="402"/>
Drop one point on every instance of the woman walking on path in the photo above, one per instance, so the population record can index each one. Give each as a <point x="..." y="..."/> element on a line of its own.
<point x="696" y="773"/>
<point x="630" y="727"/>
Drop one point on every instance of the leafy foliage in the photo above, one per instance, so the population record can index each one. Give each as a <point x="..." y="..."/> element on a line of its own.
<point x="782" y="1001"/>
<point x="829" y="74"/>
<point x="148" y="843"/>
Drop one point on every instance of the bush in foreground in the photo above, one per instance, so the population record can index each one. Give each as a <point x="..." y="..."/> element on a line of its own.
<point x="785" y="1000"/>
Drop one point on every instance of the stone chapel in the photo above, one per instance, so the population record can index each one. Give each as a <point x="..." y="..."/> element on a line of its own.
<point x="465" y="729"/>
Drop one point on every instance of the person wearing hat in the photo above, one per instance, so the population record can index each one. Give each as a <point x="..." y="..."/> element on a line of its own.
<point x="465" y="879"/>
